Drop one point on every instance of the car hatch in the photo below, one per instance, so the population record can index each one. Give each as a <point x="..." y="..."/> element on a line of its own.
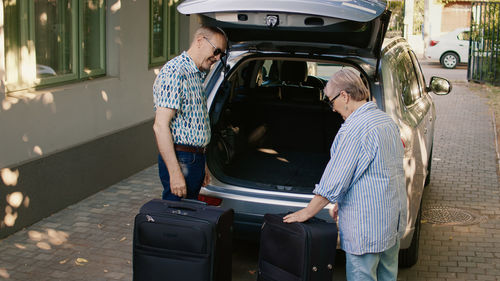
<point x="341" y="27"/>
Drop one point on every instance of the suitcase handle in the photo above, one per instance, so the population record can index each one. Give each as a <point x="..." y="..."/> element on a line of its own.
<point x="194" y="201"/>
<point x="180" y="206"/>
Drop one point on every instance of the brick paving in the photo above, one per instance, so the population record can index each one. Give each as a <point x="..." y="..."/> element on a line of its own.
<point x="92" y="240"/>
<point x="464" y="176"/>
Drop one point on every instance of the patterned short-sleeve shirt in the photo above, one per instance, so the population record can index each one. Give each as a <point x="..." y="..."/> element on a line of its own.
<point x="179" y="86"/>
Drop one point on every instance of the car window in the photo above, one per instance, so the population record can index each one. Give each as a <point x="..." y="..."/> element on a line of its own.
<point x="408" y="84"/>
<point x="418" y="71"/>
<point x="464" y="35"/>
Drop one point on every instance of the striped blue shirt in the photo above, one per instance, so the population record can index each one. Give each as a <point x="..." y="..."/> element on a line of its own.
<point x="179" y="86"/>
<point x="365" y="177"/>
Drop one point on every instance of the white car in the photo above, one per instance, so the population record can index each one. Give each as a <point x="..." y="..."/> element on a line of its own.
<point x="451" y="48"/>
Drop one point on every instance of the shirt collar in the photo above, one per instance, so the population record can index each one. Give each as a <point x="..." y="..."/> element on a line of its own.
<point x="191" y="66"/>
<point x="365" y="107"/>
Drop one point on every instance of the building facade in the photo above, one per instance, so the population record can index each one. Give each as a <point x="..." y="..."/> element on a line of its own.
<point x="76" y="107"/>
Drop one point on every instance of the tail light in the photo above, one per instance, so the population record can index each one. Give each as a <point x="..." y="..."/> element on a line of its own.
<point x="404" y="145"/>
<point x="433" y="43"/>
<point x="213" y="201"/>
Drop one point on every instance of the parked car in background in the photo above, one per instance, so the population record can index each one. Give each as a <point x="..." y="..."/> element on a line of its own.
<point x="451" y="48"/>
<point x="271" y="132"/>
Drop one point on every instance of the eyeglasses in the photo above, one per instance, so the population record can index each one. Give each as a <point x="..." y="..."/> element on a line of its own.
<point x="217" y="51"/>
<point x="329" y="101"/>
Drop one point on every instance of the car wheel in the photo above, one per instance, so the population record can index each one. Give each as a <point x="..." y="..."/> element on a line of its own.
<point x="409" y="257"/>
<point x="429" y="166"/>
<point x="449" y="60"/>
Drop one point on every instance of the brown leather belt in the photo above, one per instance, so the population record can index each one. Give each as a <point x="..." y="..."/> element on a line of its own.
<point x="188" y="148"/>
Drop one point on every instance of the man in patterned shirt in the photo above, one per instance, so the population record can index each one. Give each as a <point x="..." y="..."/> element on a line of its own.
<point x="181" y="124"/>
<point x="365" y="178"/>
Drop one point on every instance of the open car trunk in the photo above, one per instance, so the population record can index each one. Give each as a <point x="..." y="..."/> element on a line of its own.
<point x="270" y="128"/>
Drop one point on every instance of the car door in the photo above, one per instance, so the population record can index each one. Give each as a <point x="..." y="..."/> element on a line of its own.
<point x="429" y="112"/>
<point x="405" y="104"/>
<point x="462" y="42"/>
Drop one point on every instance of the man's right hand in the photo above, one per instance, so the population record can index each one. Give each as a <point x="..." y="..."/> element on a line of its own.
<point x="178" y="185"/>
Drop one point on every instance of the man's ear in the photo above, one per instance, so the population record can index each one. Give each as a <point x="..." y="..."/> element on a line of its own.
<point x="198" y="40"/>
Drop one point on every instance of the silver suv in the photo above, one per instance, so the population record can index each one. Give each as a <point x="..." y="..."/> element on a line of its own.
<point x="272" y="132"/>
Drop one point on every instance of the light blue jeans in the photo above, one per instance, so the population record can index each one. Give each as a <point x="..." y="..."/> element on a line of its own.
<point x="374" y="267"/>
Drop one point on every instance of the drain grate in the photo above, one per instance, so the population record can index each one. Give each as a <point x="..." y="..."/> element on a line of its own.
<point x="444" y="215"/>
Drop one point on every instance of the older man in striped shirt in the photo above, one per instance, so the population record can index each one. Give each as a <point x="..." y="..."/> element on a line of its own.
<point x="365" y="178"/>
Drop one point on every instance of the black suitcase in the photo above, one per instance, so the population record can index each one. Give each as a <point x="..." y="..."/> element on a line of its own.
<point x="179" y="241"/>
<point x="296" y="251"/>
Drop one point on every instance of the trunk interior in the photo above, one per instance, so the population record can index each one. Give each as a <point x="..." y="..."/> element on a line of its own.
<point x="271" y="129"/>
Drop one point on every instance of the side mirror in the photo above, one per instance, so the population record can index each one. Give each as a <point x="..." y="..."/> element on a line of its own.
<point x="439" y="86"/>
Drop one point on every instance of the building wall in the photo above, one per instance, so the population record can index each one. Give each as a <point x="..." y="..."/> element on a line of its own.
<point x="455" y="15"/>
<point x="61" y="144"/>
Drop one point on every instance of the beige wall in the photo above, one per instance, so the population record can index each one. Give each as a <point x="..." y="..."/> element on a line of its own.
<point x="61" y="144"/>
<point x="37" y="123"/>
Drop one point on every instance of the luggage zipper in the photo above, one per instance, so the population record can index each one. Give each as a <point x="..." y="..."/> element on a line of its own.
<point x="150" y="218"/>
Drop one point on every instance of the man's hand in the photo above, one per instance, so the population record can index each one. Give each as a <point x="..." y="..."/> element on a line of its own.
<point x="207" y="179"/>
<point x="178" y="185"/>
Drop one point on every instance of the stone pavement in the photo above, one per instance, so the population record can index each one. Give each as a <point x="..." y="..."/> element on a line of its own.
<point x="92" y="240"/>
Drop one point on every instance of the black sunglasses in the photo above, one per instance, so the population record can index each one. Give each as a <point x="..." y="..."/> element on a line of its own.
<point x="327" y="100"/>
<point x="217" y="51"/>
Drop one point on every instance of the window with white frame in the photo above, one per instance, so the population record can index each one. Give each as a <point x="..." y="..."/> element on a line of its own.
<point x="50" y="42"/>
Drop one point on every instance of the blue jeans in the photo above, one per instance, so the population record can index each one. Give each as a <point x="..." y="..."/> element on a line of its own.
<point x="192" y="167"/>
<point x="377" y="267"/>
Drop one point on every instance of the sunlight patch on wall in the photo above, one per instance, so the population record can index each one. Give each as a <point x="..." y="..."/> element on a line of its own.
<point x="8" y="102"/>
<point x="47" y="98"/>
<point x="38" y="150"/>
<point x="4" y="273"/>
<point x="116" y="7"/>
<point x="43" y="19"/>
<point x="9" y="177"/>
<point x="10" y="217"/>
<point x="104" y="96"/>
<point x="28" y="62"/>
<point x="15" y="199"/>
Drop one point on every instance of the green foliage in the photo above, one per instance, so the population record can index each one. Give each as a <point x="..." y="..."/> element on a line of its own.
<point x="485" y="42"/>
<point x="396" y="24"/>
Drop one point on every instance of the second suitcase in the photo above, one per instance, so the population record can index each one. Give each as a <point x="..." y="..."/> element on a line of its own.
<point x="178" y="241"/>
<point x="296" y="251"/>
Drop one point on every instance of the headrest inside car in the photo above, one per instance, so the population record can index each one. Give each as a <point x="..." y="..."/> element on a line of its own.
<point x="294" y="71"/>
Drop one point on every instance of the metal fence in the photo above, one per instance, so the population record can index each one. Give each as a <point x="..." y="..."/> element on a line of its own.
<point x="484" y="43"/>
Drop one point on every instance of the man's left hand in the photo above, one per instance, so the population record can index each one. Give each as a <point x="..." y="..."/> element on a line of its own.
<point x="207" y="178"/>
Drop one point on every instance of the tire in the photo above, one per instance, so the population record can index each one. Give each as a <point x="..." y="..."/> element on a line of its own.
<point x="409" y="257"/>
<point x="429" y="167"/>
<point x="449" y="60"/>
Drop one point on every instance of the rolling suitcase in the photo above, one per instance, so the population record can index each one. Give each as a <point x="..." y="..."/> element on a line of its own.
<point x="296" y="251"/>
<point x="179" y="241"/>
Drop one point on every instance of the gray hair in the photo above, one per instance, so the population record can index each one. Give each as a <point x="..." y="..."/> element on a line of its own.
<point x="209" y="32"/>
<point x="349" y="81"/>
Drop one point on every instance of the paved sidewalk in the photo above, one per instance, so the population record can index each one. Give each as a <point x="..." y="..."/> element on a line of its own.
<point x="92" y="240"/>
<point x="464" y="176"/>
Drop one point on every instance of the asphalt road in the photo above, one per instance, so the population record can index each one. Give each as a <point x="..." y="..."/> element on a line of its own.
<point x="245" y="254"/>
<point x="434" y="68"/>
